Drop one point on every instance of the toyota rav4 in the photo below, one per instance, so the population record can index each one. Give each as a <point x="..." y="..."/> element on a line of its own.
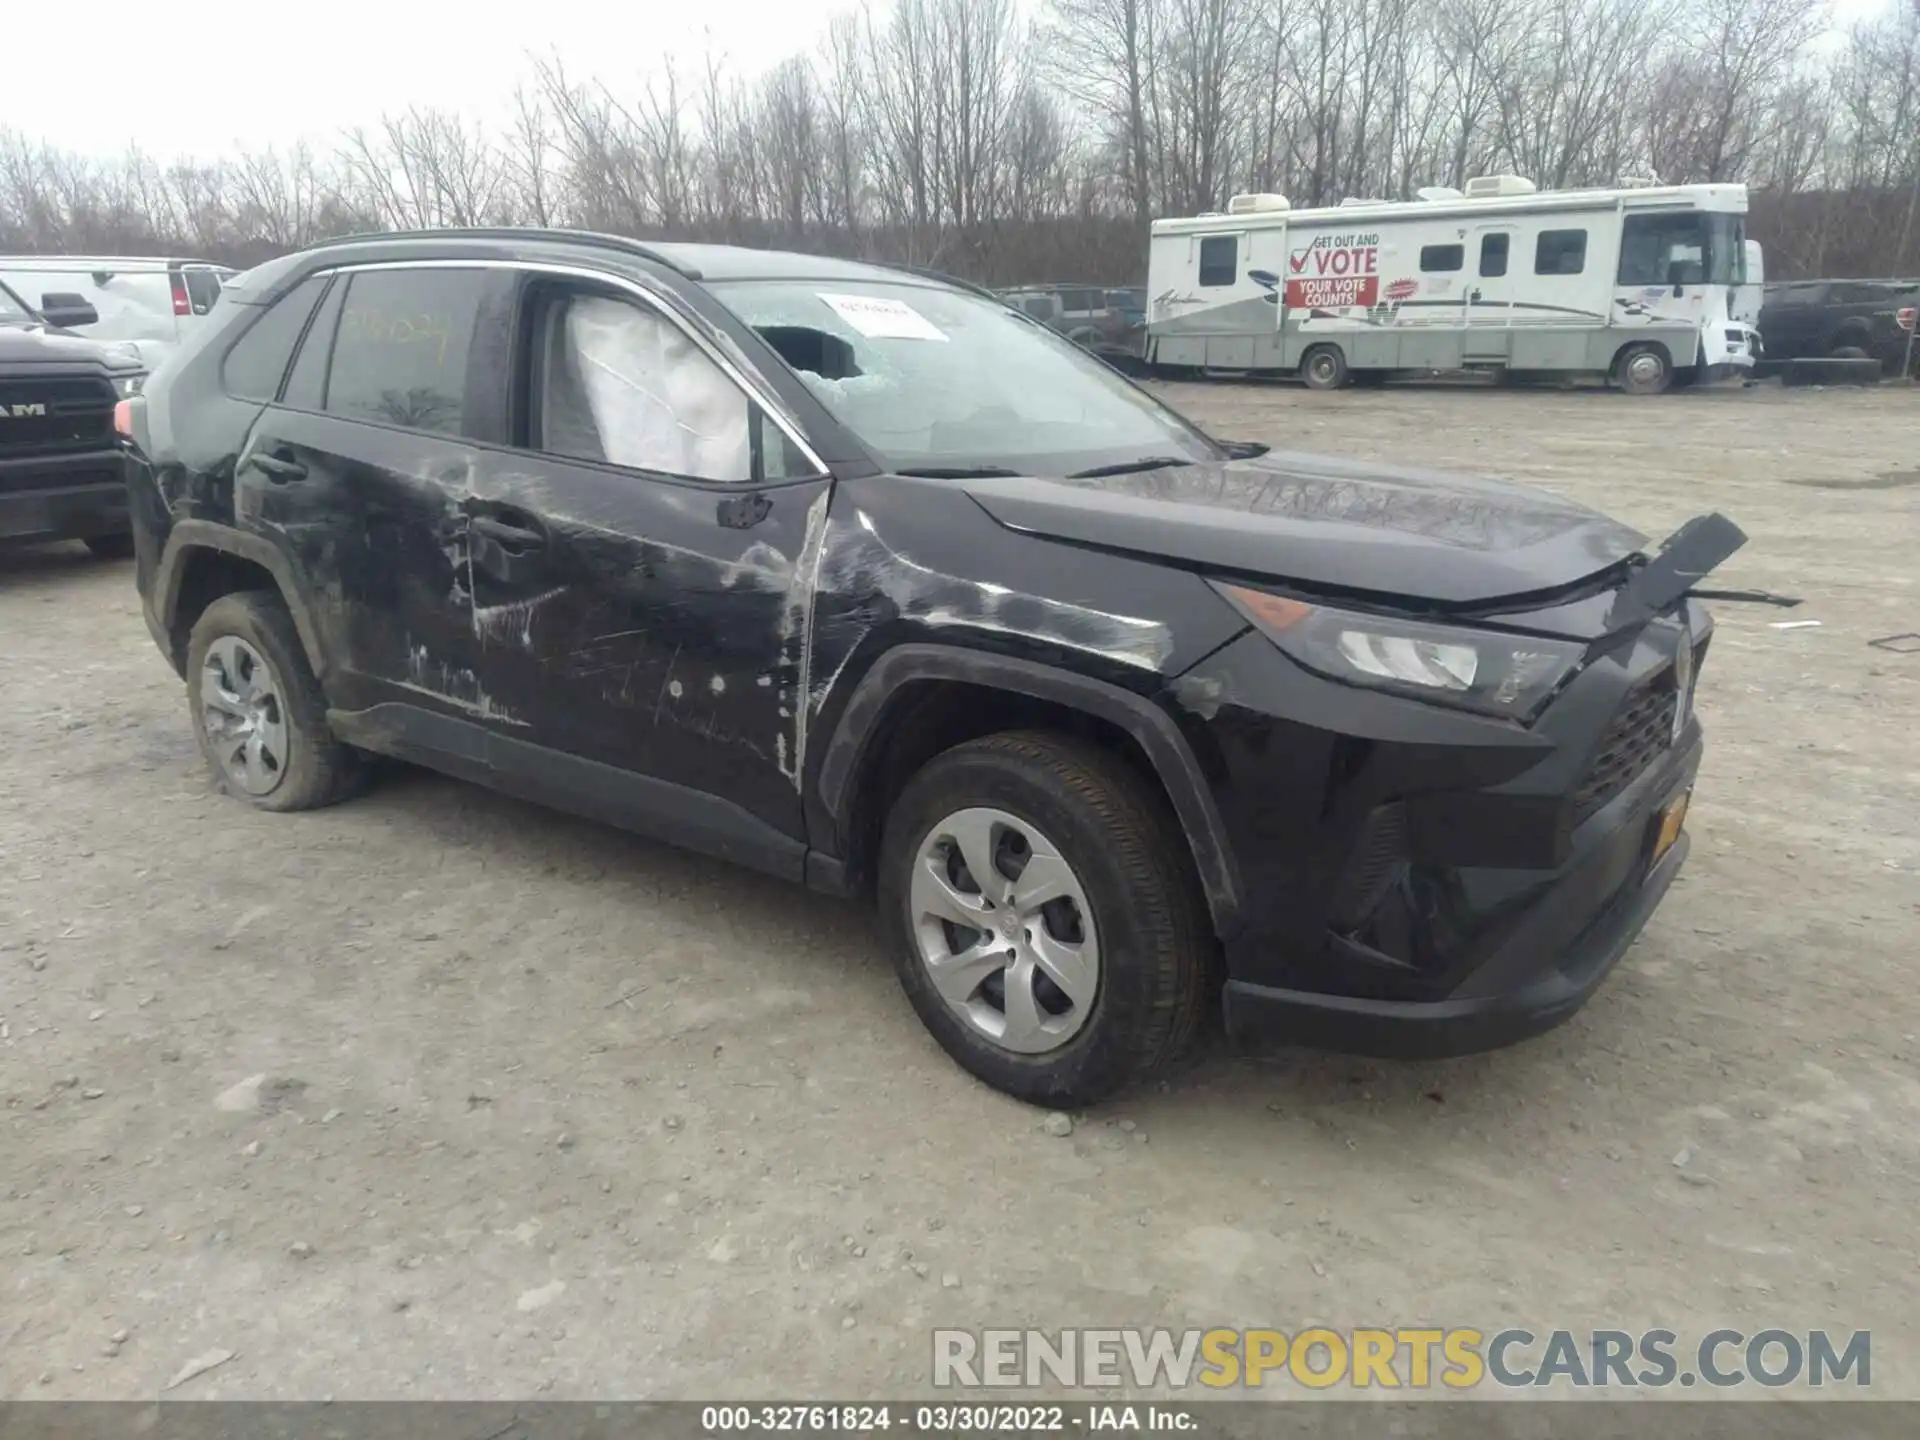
<point x="859" y="577"/>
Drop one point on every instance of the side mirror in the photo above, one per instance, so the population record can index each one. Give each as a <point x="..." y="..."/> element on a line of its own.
<point x="67" y="310"/>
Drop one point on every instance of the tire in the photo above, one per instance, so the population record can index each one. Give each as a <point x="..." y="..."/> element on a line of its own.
<point x="1644" y="370"/>
<point x="1151" y="937"/>
<point x="1324" y="367"/>
<point x="111" y="547"/>
<point x="1847" y="352"/>
<point x="312" y="768"/>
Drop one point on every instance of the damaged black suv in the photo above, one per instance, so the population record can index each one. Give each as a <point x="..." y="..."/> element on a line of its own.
<point x="859" y="577"/>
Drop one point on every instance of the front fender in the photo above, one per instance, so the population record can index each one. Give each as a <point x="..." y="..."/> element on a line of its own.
<point x="1150" y="726"/>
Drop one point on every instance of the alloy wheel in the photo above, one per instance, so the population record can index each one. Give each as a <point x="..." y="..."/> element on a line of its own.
<point x="244" y="715"/>
<point x="1005" y="930"/>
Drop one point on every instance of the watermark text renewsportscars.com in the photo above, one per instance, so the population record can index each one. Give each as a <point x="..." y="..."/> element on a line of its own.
<point x="1403" y="1359"/>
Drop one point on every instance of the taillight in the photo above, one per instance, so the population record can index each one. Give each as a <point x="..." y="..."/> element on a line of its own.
<point x="1906" y="316"/>
<point x="122" y="419"/>
<point x="182" y="304"/>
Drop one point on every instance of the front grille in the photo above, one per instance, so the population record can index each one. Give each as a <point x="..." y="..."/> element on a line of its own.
<point x="54" y="416"/>
<point x="1639" y="733"/>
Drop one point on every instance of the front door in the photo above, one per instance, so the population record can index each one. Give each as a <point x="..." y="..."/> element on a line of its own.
<point x="359" y="476"/>
<point x="1489" y="285"/>
<point x="641" y="585"/>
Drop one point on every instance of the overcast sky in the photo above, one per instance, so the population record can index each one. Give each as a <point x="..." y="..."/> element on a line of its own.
<point x="209" y="81"/>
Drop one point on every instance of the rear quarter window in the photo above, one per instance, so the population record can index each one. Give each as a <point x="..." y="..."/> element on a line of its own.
<point x="257" y="363"/>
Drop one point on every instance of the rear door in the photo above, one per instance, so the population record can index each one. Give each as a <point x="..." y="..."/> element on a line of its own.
<point x="360" y="476"/>
<point x="640" y="573"/>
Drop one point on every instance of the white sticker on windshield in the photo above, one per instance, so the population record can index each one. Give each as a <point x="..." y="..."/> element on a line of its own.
<point x="883" y="319"/>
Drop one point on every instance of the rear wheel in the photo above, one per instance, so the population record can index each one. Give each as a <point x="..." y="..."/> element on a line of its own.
<point x="1039" y="910"/>
<point x="1324" y="368"/>
<point x="1849" y="352"/>
<point x="111" y="547"/>
<point x="1644" y="370"/>
<point x="258" y="711"/>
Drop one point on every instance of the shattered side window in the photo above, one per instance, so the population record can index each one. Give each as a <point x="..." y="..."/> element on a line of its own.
<point x="625" y="385"/>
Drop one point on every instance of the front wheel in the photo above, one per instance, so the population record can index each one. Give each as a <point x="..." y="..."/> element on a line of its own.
<point x="1039" y="907"/>
<point x="1644" y="370"/>
<point x="1324" y="368"/>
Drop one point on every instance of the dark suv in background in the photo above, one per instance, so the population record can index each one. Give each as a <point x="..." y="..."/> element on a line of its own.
<point x="60" y="462"/>
<point x="1102" y="322"/>
<point x="871" y="582"/>
<point x="1841" y="320"/>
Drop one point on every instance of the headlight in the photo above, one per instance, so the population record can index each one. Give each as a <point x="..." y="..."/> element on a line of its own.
<point x="1511" y="676"/>
<point x="125" y="385"/>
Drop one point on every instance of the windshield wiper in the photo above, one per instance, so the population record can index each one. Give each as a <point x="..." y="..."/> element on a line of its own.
<point x="1128" y="467"/>
<point x="959" y="472"/>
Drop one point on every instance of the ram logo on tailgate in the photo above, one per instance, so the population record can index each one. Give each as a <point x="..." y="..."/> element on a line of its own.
<point x="22" y="412"/>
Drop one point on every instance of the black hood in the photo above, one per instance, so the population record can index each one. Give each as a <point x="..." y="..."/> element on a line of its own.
<point x="43" y="345"/>
<point x="1329" y="524"/>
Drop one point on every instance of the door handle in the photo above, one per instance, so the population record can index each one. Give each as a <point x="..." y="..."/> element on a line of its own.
<point x="507" y="535"/>
<point x="278" y="469"/>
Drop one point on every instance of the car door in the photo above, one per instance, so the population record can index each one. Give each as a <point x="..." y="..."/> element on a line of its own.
<point x="359" y="476"/>
<point x="641" y="577"/>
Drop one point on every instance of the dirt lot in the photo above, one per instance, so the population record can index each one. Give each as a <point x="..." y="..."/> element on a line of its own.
<point x="550" y="1110"/>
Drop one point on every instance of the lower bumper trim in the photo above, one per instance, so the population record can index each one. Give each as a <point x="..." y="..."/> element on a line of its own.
<point x="1259" y="1015"/>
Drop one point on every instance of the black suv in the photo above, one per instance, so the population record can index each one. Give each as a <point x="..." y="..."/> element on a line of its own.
<point x="1841" y="320"/>
<point x="61" y="474"/>
<point x="864" y="579"/>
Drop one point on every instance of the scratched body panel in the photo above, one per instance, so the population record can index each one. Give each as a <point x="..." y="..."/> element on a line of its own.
<point x="919" y="560"/>
<point x="372" y="534"/>
<point x="656" y="630"/>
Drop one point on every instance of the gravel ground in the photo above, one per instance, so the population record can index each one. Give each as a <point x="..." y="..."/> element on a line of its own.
<point x="439" y="1094"/>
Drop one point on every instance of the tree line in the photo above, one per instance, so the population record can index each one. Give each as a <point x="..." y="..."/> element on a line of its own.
<point x="960" y="135"/>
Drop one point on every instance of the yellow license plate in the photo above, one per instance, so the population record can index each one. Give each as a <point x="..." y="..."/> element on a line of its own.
<point x="1671" y="819"/>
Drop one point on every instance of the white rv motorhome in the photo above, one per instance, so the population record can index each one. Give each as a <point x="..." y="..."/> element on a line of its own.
<point x="1641" y="284"/>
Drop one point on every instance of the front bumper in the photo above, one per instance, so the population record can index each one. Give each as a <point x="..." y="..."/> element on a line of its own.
<point x="63" y="497"/>
<point x="1535" y="981"/>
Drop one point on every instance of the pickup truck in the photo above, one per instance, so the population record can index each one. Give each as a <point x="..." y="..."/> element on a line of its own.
<point x="61" y="467"/>
<point x="1841" y="320"/>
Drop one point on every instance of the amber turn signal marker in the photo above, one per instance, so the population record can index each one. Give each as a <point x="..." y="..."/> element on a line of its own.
<point x="122" y="419"/>
<point x="1276" y="612"/>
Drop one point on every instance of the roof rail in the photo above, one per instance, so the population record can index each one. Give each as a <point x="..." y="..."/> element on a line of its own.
<point x="928" y="273"/>
<point x="519" y="232"/>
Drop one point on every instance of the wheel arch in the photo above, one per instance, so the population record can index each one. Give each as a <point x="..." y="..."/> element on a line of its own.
<point x="201" y="562"/>
<point x="866" y="760"/>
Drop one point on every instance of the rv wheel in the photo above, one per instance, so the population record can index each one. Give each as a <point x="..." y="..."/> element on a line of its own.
<point x="1643" y="370"/>
<point x="1324" y="368"/>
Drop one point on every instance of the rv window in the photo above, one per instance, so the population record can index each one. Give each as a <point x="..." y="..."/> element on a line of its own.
<point x="1493" y="253"/>
<point x="1219" y="259"/>
<point x="1652" y="246"/>
<point x="1560" y="252"/>
<point x="1443" y="258"/>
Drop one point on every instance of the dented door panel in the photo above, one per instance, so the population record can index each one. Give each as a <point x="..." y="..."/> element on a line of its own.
<point x="369" y="518"/>
<point x="648" y="623"/>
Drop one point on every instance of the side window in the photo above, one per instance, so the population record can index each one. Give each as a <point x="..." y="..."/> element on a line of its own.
<point x="1493" y="253"/>
<point x="1040" y="307"/>
<point x="257" y="363"/>
<point x="1443" y="259"/>
<point x="1560" y="252"/>
<point x="400" y="357"/>
<point x="203" y="288"/>
<point x="307" y="384"/>
<point x="619" y="383"/>
<point x="1219" y="260"/>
